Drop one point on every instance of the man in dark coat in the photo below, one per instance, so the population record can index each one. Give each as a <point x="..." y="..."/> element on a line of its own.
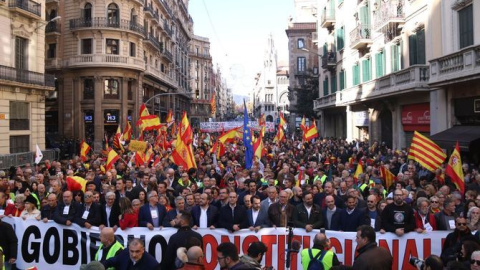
<point x="134" y="253"/>
<point x="308" y="215"/>
<point x="331" y="215"/>
<point x="257" y="216"/>
<point x="109" y="212"/>
<point x="370" y="256"/>
<point x="49" y="209"/>
<point x="184" y="237"/>
<point x="8" y="242"/>
<point x="210" y="211"/>
<point x="89" y="213"/>
<point x="351" y="217"/>
<point x="233" y="217"/>
<point x="281" y="212"/>
<point x="66" y="212"/>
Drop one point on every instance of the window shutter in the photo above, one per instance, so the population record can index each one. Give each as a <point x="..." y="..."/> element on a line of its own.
<point x="356" y="74"/>
<point x="325" y="87"/>
<point x="340" y="38"/>
<point x="334" y="84"/>
<point x="342" y="79"/>
<point x="421" y="58"/>
<point x="325" y="50"/>
<point x="394" y="58"/>
<point x="400" y="55"/>
<point x="379" y="65"/>
<point x="412" y="48"/>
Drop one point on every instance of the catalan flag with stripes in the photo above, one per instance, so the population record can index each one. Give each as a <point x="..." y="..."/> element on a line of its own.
<point x="426" y="152"/>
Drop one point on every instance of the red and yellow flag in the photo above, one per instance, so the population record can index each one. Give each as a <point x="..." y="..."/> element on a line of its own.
<point x="358" y="171"/>
<point x="75" y="183"/>
<point x="213" y="104"/>
<point x="261" y="120"/>
<point x="84" y="149"/>
<point x="311" y="132"/>
<point x="426" y="152"/>
<point x="186" y="133"/>
<point x="455" y="171"/>
<point x="150" y="122"/>
<point x="182" y="154"/>
<point x="230" y="135"/>
<point x="388" y="176"/>
<point x="117" y="140"/>
<point x="127" y="132"/>
<point x="258" y="147"/>
<point x="280" y="136"/>
<point x="218" y="148"/>
<point x="111" y="159"/>
<point x="170" y="118"/>
<point x="303" y="124"/>
<point x="283" y="122"/>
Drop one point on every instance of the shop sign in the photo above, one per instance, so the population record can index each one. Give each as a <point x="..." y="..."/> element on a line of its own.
<point x="416" y="117"/>
<point x="88" y="118"/>
<point x="361" y="119"/>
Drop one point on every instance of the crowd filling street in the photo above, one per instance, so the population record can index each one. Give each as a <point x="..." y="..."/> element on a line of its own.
<point x="310" y="185"/>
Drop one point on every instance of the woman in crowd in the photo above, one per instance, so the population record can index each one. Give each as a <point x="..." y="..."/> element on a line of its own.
<point x="142" y="195"/>
<point x="128" y="217"/>
<point x="163" y="200"/>
<point x="14" y="210"/>
<point x="473" y="219"/>
<point x="30" y="211"/>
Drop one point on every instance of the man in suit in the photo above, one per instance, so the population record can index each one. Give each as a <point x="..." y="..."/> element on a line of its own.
<point x="204" y="215"/>
<point x="280" y="213"/>
<point x="257" y="217"/>
<point x="351" y="217"/>
<point x="151" y="215"/>
<point x="271" y="199"/>
<point x="169" y="220"/>
<point x="65" y="212"/>
<point x="233" y="217"/>
<point x="89" y="213"/>
<point x="331" y="215"/>
<point x="308" y="215"/>
<point x="134" y="257"/>
<point x="110" y="212"/>
<point x="142" y="184"/>
<point x="120" y="190"/>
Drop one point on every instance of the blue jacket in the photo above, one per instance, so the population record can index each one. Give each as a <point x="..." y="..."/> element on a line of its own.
<point x="350" y="223"/>
<point x="144" y="215"/>
<point x="262" y="218"/>
<point x="123" y="262"/>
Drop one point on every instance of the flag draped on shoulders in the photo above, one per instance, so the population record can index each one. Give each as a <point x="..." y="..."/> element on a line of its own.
<point x="426" y="152"/>
<point x="454" y="169"/>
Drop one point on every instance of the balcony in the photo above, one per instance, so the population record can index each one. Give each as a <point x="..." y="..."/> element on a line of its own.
<point x="455" y="67"/>
<point x="166" y="7"/>
<point x="361" y="36"/>
<point x="53" y="63"/>
<point x="329" y="61"/>
<point x="27" y="77"/>
<point x="324" y="102"/>
<point x="105" y="60"/>
<point x="154" y="42"/>
<point x="29" y="6"/>
<point x="413" y="78"/>
<point x="53" y="28"/>
<point x="328" y="17"/>
<point x="104" y="22"/>
<point x="388" y="13"/>
<point x="167" y="29"/>
<point x="168" y="55"/>
<point x="156" y="73"/>
<point x="149" y="12"/>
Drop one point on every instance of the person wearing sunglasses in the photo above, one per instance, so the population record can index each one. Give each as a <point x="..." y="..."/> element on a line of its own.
<point x="475" y="260"/>
<point x="454" y="240"/>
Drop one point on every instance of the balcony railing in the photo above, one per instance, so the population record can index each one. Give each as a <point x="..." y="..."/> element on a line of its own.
<point x="27" y="5"/>
<point x="392" y="11"/>
<point x="149" y="10"/>
<point x="456" y="65"/>
<point x="167" y="8"/>
<point x="168" y="55"/>
<point x="155" y="42"/>
<point x="103" y="22"/>
<point x="106" y="60"/>
<point x="325" y="101"/>
<point x="152" y="71"/>
<point x="53" y="63"/>
<point x="53" y="27"/>
<point x="360" y="36"/>
<point x="329" y="60"/>
<point x="328" y="17"/>
<point x="25" y="76"/>
<point x="167" y="28"/>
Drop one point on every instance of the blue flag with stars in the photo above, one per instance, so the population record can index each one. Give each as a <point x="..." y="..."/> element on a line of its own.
<point x="247" y="139"/>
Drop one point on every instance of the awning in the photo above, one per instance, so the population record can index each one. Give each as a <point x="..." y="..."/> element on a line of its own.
<point x="463" y="134"/>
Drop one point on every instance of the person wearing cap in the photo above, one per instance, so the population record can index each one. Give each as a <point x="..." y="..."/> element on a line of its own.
<point x="30" y="211"/>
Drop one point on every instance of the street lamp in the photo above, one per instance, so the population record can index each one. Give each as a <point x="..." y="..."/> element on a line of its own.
<point x="307" y="50"/>
<point x="47" y="22"/>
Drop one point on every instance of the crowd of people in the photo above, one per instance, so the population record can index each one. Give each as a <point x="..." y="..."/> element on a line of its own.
<point x="306" y="185"/>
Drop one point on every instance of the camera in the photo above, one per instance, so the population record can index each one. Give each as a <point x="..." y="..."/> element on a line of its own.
<point x="420" y="264"/>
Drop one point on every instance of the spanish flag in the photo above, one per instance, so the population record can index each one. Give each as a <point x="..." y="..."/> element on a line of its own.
<point x="84" y="149"/>
<point x="303" y="124"/>
<point x="311" y="132"/>
<point x="150" y="122"/>
<point x="218" y="148"/>
<point x="426" y="152"/>
<point x="454" y="169"/>
<point x="230" y="135"/>
<point x="127" y="133"/>
<point x="388" y="176"/>
<point x="186" y="133"/>
<point x="170" y="118"/>
<point x="75" y="183"/>
<point x="283" y="122"/>
<point x="183" y="154"/>
<point x="258" y="148"/>
<point x="280" y="136"/>
<point x="213" y="104"/>
<point x="111" y="159"/>
<point x="358" y="171"/>
<point x="117" y="140"/>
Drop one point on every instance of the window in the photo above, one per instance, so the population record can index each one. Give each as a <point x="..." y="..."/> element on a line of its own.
<point x="465" y="17"/>
<point x="88" y="88"/>
<point x="416" y="45"/>
<point x="130" y="90"/>
<point x="19" y="144"/>
<point x="301" y="64"/>
<point x="52" y="48"/>
<point x="111" y="89"/>
<point x="379" y="64"/>
<point x="301" y="43"/>
<point x="340" y="38"/>
<point x="87" y="12"/>
<point x="113" y="15"/>
<point x="21" y="53"/>
<point x="19" y="115"/>
<point x="334" y="84"/>
<point x="325" y="86"/>
<point x="343" y="79"/>
<point x="356" y="75"/>
<point x="366" y="70"/>
<point x="112" y="46"/>
<point x="87" y="46"/>
<point x="396" y="57"/>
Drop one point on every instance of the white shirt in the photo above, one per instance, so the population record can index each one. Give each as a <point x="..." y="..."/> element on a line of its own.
<point x="309" y="210"/>
<point x="108" y="209"/>
<point x="203" y="222"/>
<point x="255" y="215"/>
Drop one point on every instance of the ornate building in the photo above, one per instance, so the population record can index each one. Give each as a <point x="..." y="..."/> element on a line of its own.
<point x="23" y="84"/>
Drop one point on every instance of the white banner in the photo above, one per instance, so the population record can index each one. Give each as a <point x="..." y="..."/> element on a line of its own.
<point x="225" y="126"/>
<point x="47" y="245"/>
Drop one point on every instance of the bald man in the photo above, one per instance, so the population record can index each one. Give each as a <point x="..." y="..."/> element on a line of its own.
<point x="109" y="246"/>
<point x="195" y="258"/>
<point x="321" y="251"/>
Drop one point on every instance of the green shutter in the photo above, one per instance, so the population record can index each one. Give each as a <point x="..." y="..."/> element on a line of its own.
<point x="340" y="38"/>
<point x="366" y="70"/>
<point x="340" y="1"/>
<point x="325" y="87"/>
<point x="334" y="84"/>
<point x="400" y="55"/>
<point x="394" y="58"/>
<point x="342" y="80"/>
<point x="466" y="26"/>
<point x="421" y="57"/>
<point x="364" y="15"/>
<point x="412" y="49"/>
<point x="325" y="50"/>
<point x="356" y="75"/>
<point x="379" y="64"/>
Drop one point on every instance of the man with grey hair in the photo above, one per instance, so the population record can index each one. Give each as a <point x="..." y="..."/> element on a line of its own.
<point x="133" y="257"/>
<point x="169" y="220"/>
<point x="424" y="220"/>
<point x="151" y="215"/>
<point x="272" y="198"/>
<point x="66" y="211"/>
<point x="110" y="212"/>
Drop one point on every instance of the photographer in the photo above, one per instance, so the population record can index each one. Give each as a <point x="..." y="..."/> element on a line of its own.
<point x="432" y="262"/>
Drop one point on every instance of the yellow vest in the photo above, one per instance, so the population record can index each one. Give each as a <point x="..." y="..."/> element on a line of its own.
<point x="111" y="253"/>
<point x="327" y="260"/>
<point x="3" y="258"/>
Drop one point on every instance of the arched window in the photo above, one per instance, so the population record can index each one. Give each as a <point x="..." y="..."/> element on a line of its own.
<point x="87" y="12"/>
<point x="113" y="15"/>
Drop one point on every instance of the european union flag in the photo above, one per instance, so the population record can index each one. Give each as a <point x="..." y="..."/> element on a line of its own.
<point x="247" y="139"/>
